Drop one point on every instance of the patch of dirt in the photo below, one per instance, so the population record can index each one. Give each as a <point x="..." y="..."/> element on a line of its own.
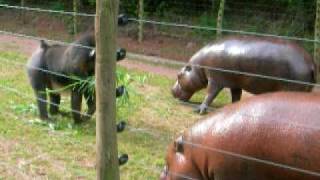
<point x="20" y="45"/>
<point x="161" y="46"/>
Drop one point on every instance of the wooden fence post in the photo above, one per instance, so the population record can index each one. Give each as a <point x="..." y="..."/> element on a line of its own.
<point x="317" y="36"/>
<point x="220" y="18"/>
<point x="75" y="17"/>
<point x="141" y="14"/>
<point x="106" y="138"/>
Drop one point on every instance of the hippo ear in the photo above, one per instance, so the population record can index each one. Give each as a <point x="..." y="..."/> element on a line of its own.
<point x="178" y="144"/>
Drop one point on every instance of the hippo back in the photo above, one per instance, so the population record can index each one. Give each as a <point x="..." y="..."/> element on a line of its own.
<point x="264" y="56"/>
<point x="280" y="128"/>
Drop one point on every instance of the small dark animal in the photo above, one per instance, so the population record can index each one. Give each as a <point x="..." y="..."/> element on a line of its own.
<point x="57" y="67"/>
<point x="263" y="56"/>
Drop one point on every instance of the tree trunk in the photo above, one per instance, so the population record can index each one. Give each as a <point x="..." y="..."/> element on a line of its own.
<point x="317" y="36"/>
<point x="106" y="138"/>
<point x="75" y="17"/>
<point x="141" y="15"/>
<point x="220" y="18"/>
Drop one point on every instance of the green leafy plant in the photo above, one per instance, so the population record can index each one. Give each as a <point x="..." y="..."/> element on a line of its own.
<point x="88" y="86"/>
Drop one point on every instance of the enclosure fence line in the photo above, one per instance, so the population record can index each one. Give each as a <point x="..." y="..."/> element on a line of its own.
<point x="222" y="30"/>
<point x="193" y="144"/>
<point x="45" y="39"/>
<point x="216" y="150"/>
<point x="163" y="23"/>
<point x="16" y="91"/>
<point x="47" y="10"/>
<point x="184" y="64"/>
<point x="177" y="63"/>
<point x="216" y="69"/>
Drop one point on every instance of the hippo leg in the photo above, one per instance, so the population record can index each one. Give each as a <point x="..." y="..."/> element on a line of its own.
<point x="213" y="91"/>
<point x="236" y="94"/>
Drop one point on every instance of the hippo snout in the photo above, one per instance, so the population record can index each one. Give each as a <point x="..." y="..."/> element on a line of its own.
<point x="179" y="93"/>
<point x="175" y="90"/>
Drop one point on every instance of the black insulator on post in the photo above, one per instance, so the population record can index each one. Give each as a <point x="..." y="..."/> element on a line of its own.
<point x="121" y="54"/>
<point x="121" y="126"/>
<point x="123" y="159"/>
<point x="122" y="20"/>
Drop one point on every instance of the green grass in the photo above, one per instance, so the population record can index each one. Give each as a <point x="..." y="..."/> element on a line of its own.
<point x="30" y="148"/>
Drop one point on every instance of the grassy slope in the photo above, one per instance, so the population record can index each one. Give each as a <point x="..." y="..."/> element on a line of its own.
<point x="30" y="148"/>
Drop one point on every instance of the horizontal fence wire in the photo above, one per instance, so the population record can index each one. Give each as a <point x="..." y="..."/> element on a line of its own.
<point x="43" y="70"/>
<point x="16" y="91"/>
<point x="163" y="23"/>
<point x="200" y="146"/>
<point x="210" y="68"/>
<point x="182" y="64"/>
<point x="186" y="142"/>
<point x="173" y="25"/>
<point x="249" y="158"/>
<point x="46" y="10"/>
<point x="45" y="39"/>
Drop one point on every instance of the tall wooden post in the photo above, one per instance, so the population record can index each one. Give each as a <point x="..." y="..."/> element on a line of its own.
<point x="220" y="18"/>
<point x="317" y="36"/>
<point x="106" y="138"/>
<point x="141" y="14"/>
<point x="75" y="17"/>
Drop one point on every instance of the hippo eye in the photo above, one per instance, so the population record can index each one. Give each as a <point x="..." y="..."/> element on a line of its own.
<point x="188" y="68"/>
<point x="178" y="144"/>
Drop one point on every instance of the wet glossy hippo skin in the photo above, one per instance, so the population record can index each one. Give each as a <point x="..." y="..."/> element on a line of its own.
<point x="264" y="56"/>
<point x="281" y="127"/>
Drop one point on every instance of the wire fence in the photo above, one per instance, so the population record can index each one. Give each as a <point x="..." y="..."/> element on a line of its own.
<point x="223" y="30"/>
<point x="151" y="132"/>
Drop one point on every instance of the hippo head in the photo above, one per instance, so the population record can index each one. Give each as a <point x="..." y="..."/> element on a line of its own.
<point x="179" y="165"/>
<point x="189" y="81"/>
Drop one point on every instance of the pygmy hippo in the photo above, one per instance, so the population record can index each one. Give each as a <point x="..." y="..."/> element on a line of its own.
<point x="268" y="137"/>
<point x="217" y="66"/>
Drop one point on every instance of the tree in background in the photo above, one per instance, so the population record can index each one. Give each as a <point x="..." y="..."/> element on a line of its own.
<point x="75" y="20"/>
<point x="220" y="18"/>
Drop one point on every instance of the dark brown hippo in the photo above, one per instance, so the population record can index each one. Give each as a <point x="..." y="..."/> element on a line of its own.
<point x="273" y="136"/>
<point x="263" y="56"/>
